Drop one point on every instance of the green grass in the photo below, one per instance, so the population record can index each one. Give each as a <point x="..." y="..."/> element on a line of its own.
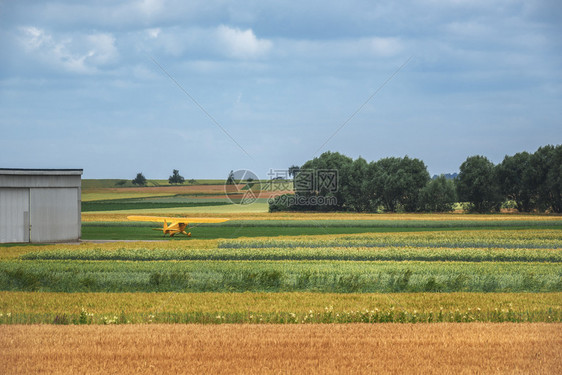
<point x="215" y="232"/>
<point x="273" y="228"/>
<point x="92" y="232"/>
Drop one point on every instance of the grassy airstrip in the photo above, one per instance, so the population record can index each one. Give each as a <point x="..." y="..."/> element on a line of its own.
<point x="288" y="268"/>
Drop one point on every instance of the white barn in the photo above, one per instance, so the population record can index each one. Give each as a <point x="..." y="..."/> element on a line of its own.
<point x="40" y="205"/>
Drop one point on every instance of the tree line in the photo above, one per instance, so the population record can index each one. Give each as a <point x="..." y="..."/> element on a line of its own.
<point x="530" y="182"/>
<point x="174" y="179"/>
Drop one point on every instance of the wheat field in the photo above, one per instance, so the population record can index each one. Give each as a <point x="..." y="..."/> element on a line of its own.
<point x="274" y="349"/>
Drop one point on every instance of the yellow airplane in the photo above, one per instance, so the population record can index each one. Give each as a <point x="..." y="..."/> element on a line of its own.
<point x="177" y="224"/>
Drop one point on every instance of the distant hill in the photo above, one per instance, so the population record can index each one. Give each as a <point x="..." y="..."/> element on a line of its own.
<point x="448" y="176"/>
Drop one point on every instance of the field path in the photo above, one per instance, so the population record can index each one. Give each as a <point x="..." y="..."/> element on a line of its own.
<point x="258" y="349"/>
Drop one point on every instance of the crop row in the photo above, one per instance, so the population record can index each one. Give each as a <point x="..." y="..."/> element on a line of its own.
<point x="396" y="223"/>
<point x="317" y="276"/>
<point x="525" y="239"/>
<point x="433" y="224"/>
<point x="326" y="316"/>
<point x="264" y="302"/>
<point x="214" y="308"/>
<point x="306" y="253"/>
<point x="135" y="204"/>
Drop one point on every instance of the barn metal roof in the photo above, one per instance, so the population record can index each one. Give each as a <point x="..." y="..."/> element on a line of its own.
<point x="41" y="172"/>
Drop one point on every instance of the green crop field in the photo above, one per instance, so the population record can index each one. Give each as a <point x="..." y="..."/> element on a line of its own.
<point x="283" y="268"/>
<point x="71" y="275"/>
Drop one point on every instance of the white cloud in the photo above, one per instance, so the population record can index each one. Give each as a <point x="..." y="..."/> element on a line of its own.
<point x="385" y="46"/>
<point x="196" y="43"/>
<point x="241" y="44"/>
<point x="34" y="38"/>
<point x="37" y="42"/>
<point x="102" y="49"/>
<point x="154" y="32"/>
<point x="77" y="54"/>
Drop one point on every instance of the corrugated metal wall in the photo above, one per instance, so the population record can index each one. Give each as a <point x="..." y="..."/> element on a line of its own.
<point x="54" y="214"/>
<point x="40" y="205"/>
<point x="14" y="215"/>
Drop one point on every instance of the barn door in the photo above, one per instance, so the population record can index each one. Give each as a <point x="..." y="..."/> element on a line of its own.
<point x="14" y="215"/>
<point x="54" y="214"/>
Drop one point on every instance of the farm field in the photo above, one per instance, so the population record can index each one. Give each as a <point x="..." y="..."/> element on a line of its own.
<point x="264" y="349"/>
<point x="489" y="275"/>
<point x="263" y="307"/>
<point x="303" y="276"/>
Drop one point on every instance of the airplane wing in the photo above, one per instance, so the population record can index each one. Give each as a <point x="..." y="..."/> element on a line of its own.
<point x="190" y="220"/>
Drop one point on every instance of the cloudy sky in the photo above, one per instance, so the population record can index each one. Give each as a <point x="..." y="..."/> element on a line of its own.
<point x="209" y="86"/>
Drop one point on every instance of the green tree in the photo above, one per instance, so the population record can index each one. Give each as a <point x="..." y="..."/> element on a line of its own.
<point x="354" y="188"/>
<point x="321" y="179"/>
<point x="439" y="195"/>
<point x="395" y="183"/>
<point x="175" y="178"/>
<point x="554" y="179"/>
<point x="546" y="165"/>
<point x="230" y="178"/>
<point x="477" y="185"/>
<point x="293" y="170"/>
<point x="139" y="180"/>
<point x="514" y="176"/>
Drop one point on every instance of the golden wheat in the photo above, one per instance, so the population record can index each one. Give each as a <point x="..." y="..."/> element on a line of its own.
<point x="264" y="349"/>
